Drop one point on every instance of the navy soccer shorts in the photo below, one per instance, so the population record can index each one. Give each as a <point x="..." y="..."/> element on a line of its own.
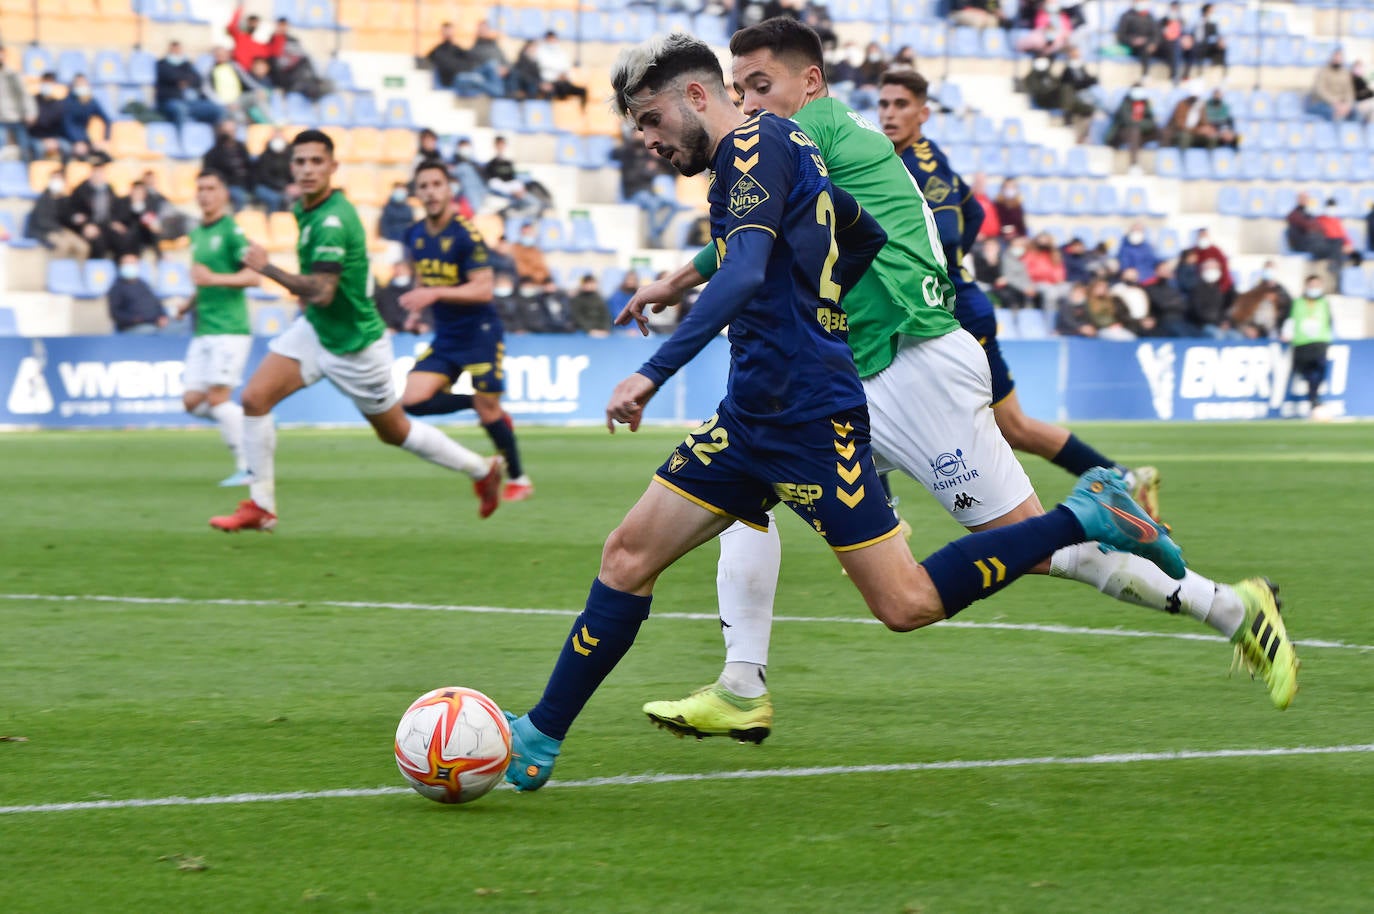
<point x="479" y="354"/>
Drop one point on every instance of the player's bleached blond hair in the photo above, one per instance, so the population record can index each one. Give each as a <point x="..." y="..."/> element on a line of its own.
<point x="658" y="63"/>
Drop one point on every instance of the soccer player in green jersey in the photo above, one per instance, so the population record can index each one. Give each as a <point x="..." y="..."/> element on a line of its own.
<point x="219" y="349"/>
<point x="929" y="392"/>
<point x="340" y="337"/>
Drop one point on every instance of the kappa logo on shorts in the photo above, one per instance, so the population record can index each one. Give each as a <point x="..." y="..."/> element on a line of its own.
<point x="676" y="461"/>
<point x="963" y="501"/>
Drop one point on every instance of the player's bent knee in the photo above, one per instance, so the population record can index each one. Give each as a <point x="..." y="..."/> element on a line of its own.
<point x="622" y="566"/>
<point x="905" y="617"/>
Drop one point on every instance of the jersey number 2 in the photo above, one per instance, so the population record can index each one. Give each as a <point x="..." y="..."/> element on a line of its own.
<point x="825" y="215"/>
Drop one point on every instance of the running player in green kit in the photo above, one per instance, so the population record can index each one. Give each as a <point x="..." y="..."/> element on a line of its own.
<point x="340" y="337"/>
<point x="929" y="393"/>
<point x="219" y="349"/>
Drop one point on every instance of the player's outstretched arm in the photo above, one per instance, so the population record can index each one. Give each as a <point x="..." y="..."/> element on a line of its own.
<point x="201" y="275"/>
<point x="313" y="289"/>
<point x="478" y="290"/>
<point x="661" y="293"/>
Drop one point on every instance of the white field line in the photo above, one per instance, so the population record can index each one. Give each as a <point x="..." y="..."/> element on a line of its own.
<point x="1043" y="628"/>
<point x="623" y="780"/>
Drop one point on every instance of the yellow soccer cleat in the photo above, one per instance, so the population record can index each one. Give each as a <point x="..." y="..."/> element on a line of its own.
<point x="1262" y="642"/>
<point x="715" y="711"/>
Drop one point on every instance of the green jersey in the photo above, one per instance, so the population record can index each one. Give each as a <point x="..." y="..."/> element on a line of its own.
<point x="1311" y="320"/>
<point x="332" y="240"/>
<point x="907" y="291"/>
<point x="218" y="246"/>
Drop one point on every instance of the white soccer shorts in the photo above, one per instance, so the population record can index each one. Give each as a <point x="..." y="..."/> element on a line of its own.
<point x="931" y="417"/>
<point x="216" y="360"/>
<point x="363" y="376"/>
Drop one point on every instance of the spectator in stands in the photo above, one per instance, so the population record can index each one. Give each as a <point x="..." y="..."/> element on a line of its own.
<point x="500" y="170"/>
<point x="1301" y="231"/>
<point x="247" y="49"/>
<point x="92" y="211"/>
<point x="141" y="218"/>
<point x="236" y="91"/>
<point x="179" y="93"/>
<point x="1333" y="91"/>
<point x="1051" y="31"/>
<point x="173" y="221"/>
<point x="481" y="69"/>
<point x="1258" y="312"/>
<point x="1189" y="125"/>
<point x="978" y="14"/>
<point x="1077" y="263"/>
<point x="17" y="109"/>
<point x="134" y="307"/>
<point x="1133" y="125"/>
<point x="1107" y="314"/>
<point x="1072" y="319"/>
<point x="1041" y="85"/>
<point x="397" y="216"/>
<point x="629" y="285"/>
<point x="1336" y="244"/>
<point x="555" y="68"/>
<point x="1136" y="301"/>
<point x="905" y="58"/>
<point x="48" y="221"/>
<point x="427" y="148"/>
<point x="543" y="308"/>
<point x="468" y="174"/>
<point x="1045" y="267"/>
<point x="272" y="185"/>
<point x="388" y="298"/>
<point x="1010" y="214"/>
<point x="1138" y="31"/>
<point x="446" y="58"/>
<point x="589" y="310"/>
<point x="1136" y="253"/>
<point x="530" y="263"/>
<point x="1210" y="300"/>
<point x="1168" y="304"/>
<point x="1364" y="96"/>
<point x="503" y="299"/>
<point x="1219" y="116"/>
<point x="522" y="82"/>
<point x="638" y="169"/>
<point x="78" y="108"/>
<point x="1002" y="274"/>
<point x="1173" y="41"/>
<point x="992" y="223"/>
<point x="45" y="132"/>
<point x="851" y="78"/>
<point x="1207" y="252"/>
<point x="230" y="157"/>
<point x="1204" y="43"/>
<point x="292" y="70"/>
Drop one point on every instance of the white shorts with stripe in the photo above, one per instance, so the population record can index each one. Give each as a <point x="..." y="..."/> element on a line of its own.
<point x="364" y="376"/>
<point x="216" y="360"/>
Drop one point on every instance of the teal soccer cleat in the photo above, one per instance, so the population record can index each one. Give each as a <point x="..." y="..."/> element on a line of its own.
<point x="240" y="478"/>
<point x="1103" y="505"/>
<point x="532" y="754"/>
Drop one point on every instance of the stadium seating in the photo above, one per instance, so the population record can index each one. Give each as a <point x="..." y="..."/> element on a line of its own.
<point x="9" y="322"/>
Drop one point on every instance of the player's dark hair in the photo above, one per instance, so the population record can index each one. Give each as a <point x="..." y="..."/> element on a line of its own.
<point x="784" y="36"/>
<point x="430" y="164"/>
<point x="909" y="80"/>
<point x="314" y="136"/>
<point x="213" y="173"/>
<point x="656" y="63"/>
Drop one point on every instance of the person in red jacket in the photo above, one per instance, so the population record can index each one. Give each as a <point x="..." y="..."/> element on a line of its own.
<point x="247" y="48"/>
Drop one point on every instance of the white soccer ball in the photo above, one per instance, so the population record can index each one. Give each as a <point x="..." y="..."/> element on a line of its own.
<point x="453" y="745"/>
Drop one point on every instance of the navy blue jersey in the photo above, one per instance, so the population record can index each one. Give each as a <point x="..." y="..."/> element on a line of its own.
<point x="774" y="208"/>
<point x="448" y="259"/>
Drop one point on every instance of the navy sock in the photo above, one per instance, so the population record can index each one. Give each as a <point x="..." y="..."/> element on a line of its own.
<point x="980" y="564"/>
<point x="439" y="404"/>
<point x="601" y="635"/>
<point x="503" y="436"/>
<point x="1078" y="457"/>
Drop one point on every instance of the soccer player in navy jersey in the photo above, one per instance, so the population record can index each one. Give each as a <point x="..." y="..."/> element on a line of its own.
<point x="453" y="276"/>
<point x="793" y="426"/>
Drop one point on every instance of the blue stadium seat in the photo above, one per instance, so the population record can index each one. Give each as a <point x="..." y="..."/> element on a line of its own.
<point x="333" y="111"/>
<point x="1110" y="235"/>
<point x="1281" y="202"/>
<point x="1279" y="166"/>
<point x="317" y="14"/>
<point x="1324" y="137"/>
<point x="196" y="139"/>
<point x="14" y="180"/>
<point x="1346" y="206"/>
<point x="14" y="228"/>
<point x="1013" y="132"/>
<point x="397" y="113"/>
<point x="995" y="44"/>
<point x="595" y="22"/>
<point x="569" y="150"/>
<point x="1262" y="105"/>
<point x="1078" y="200"/>
<point x="173" y="279"/>
<point x="711" y="29"/>
<point x="965" y="42"/>
<point x="163" y="139"/>
<point x="299" y="109"/>
<point x="270" y="320"/>
<point x="1105" y="200"/>
<point x="290" y="10"/>
<point x="1197" y="164"/>
<point x="1289" y="105"/>
<point x="1031" y="324"/>
<point x="852" y="10"/>
<point x="1223" y="163"/>
<point x="1354" y="282"/>
<point x="98" y="275"/>
<point x="65" y="278"/>
<point x="1333" y="166"/>
<point x="141" y="68"/>
<point x="1250" y="164"/>
<point x="1351" y="137"/>
<point x="1230" y="201"/>
<point x="553" y="236"/>
<point x="597" y="151"/>
<point x="1136" y="202"/>
<point x="71" y="64"/>
<point x="1168" y="162"/>
<point x="994" y="160"/>
<point x="1076" y="163"/>
<point x="9" y="323"/>
<point x="564" y="22"/>
<point x="37" y="61"/>
<point x="365" y="113"/>
<point x="1239" y="103"/>
<point x="1006" y="323"/>
<point x="107" y="69"/>
<point x="536" y="116"/>
<point x="1047" y="199"/>
<point x="338" y="72"/>
<point x="1167" y="243"/>
<point x="583" y="238"/>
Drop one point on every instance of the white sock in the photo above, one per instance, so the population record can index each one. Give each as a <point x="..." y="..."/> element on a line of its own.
<point x="201" y="410"/>
<point x="229" y="415"/>
<point x="1137" y="580"/>
<point x="260" y="453"/>
<point x="433" y="445"/>
<point x="746" y="583"/>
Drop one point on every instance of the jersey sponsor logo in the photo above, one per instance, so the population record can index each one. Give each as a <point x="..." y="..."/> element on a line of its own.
<point x="746" y="195"/>
<point x="951" y="469"/>
<point x="479" y="254"/>
<point x="832" y="319"/>
<point x="216" y="243"/>
<point x="1235" y="382"/>
<point x="931" y="292"/>
<point x="864" y="122"/>
<point x="936" y="190"/>
<point x="29" y="394"/>
<point x="799" y="493"/>
<point x="331" y="222"/>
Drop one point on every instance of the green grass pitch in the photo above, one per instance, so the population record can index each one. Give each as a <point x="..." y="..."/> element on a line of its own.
<point x="1072" y="803"/>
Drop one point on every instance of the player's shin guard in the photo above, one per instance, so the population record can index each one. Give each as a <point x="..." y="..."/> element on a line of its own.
<point x="601" y="635"/>
<point x="503" y="437"/>
<point x="260" y="452"/>
<point x="980" y="564"/>
<point x="440" y="404"/>
<point x="229" y="416"/>
<point x="1078" y="457"/>
<point x="746" y="584"/>
<point x="1139" y="581"/>
<point x="428" y="442"/>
